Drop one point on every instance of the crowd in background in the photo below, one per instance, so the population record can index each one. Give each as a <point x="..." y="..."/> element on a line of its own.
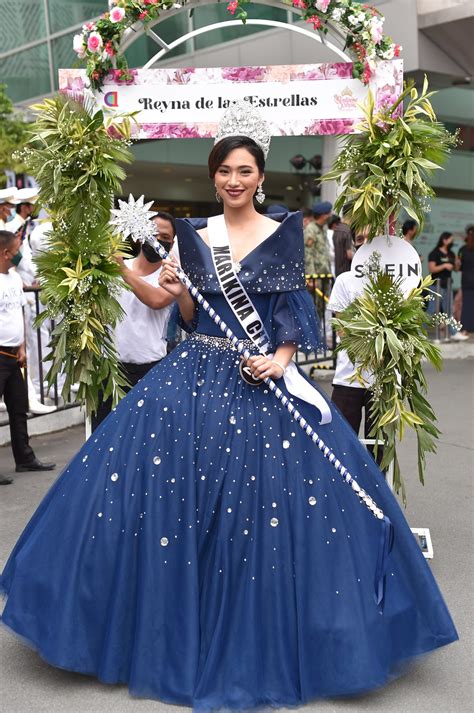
<point x="330" y="245"/>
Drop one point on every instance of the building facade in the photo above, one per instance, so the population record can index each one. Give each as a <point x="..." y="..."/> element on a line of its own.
<point x="36" y="40"/>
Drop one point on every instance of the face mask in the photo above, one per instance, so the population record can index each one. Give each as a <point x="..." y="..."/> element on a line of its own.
<point x="12" y="214"/>
<point x="167" y="246"/>
<point x="150" y="253"/>
<point x="16" y="259"/>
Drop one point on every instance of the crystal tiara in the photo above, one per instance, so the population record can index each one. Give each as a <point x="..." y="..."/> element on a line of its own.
<point x="242" y="119"/>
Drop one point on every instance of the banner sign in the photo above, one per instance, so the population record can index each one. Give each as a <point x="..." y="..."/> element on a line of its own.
<point x="309" y="99"/>
<point x="398" y="258"/>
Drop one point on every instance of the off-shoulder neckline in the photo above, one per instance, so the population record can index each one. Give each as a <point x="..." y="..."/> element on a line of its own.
<point x="264" y="242"/>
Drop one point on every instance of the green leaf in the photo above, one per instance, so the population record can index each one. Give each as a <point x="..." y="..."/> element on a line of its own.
<point x="379" y="346"/>
<point x="424" y="163"/>
<point x="375" y="169"/>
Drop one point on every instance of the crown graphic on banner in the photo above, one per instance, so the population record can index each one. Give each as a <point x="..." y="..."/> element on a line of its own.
<point x="242" y="119"/>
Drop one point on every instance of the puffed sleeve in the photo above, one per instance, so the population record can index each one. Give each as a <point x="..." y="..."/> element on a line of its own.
<point x="293" y="319"/>
<point x="188" y="327"/>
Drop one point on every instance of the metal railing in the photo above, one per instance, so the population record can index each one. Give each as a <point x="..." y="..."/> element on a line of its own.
<point x="319" y="287"/>
<point x="443" y="302"/>
<point x="36" y="364"/>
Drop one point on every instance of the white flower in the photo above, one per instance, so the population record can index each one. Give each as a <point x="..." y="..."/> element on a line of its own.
<point x="389" y="53"/>
<point x="357" y="19"/>
<point x="322" y="5"/>
<point x="337" y="14"/>
<point x="78" y="45"/>
<point x="376" y="30"/>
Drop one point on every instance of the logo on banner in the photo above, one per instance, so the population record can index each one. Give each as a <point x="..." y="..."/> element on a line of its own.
<point x="345" y="100"/>
<point x="111" y="99"/>
<point x="398" y="259"/>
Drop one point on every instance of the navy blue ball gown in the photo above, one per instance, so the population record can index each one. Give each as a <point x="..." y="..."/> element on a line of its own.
<point x="200" y="549"/>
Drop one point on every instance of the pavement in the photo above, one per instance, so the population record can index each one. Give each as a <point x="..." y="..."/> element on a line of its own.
<point x="440" y="683"/>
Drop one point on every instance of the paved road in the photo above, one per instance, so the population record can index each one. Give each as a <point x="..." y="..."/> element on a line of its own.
<point x="440" y="683"/>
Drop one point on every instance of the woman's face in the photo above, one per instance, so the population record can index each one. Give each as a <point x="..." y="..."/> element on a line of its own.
<point x="449" y="241"/>
<point x="237" y="178"/>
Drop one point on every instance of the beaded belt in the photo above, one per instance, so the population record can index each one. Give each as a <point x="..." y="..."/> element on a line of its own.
<point x="221" y="343"/>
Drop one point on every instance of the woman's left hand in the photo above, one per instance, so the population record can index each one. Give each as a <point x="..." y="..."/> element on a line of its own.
<point x="262" y="367"/>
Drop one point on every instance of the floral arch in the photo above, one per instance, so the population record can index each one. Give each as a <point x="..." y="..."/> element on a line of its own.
<point x="356" y="29"/>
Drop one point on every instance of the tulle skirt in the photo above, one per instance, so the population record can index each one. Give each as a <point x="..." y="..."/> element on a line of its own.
<point x="200" y="549"/>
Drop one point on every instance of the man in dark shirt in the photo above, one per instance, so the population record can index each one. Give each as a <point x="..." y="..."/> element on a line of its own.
<point x="343" y="245"/>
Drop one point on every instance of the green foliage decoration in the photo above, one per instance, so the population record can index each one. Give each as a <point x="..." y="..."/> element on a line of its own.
<point x="13" y="135"/>
<point x="386" y="167"/>
<point x="386" y="335"/>
<point x="76" y="159"/>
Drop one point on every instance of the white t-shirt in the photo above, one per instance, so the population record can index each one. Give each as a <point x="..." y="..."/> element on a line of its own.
<point x="141" y="336"/>
<point x="26" y="267"/>
<point x="344" y="291"/>
<point x="12" y="299"/>
<point x="332" y="256"/>
<point x="39" y="237"/>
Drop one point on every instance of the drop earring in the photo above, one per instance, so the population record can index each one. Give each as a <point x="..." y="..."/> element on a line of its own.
<point x="218" y="198"/>
<point x="260" y="195"/>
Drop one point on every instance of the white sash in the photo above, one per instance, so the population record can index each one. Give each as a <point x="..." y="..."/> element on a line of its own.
<point x="243" y="308"/>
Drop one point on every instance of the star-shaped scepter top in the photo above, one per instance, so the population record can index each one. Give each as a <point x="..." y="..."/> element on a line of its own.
<point x="134" y="219"/>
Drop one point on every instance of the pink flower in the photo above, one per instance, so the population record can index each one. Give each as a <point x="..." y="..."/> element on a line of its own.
<point x="109" y="48"/>
<point x="94" y="42"/>
<point x="142" y="15"/>
<point x="300" y="4"/>
<point x="89" y="26"/>
<point x="376" y="30"/>
<point x="396" y="50"/>
<point x="232" y="7"/>
<point x="74" y="85"/>
<point x="78" y="46"/>
<point x="113" y="132"/>
<point x="123" y="76"/>
<point x="243" y="74"/>
<point x="316" y="22"/>
<point x="169" y="131"/>
<point x="367" y="74"/>
<point x="117" y="14"/>
<point x="330" y="127"/>
<point x="322" y="5"/>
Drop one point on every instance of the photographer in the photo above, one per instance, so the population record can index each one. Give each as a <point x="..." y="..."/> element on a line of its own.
<point x="140" y="337"/>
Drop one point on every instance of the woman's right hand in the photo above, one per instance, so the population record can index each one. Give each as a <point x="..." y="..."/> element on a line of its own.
<point x="169" y="280"/>
<point x="448" y="266"/>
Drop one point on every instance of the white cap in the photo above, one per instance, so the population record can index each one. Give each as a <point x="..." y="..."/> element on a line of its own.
<point x="26" y="195"/>
<point x="8" y="195"/>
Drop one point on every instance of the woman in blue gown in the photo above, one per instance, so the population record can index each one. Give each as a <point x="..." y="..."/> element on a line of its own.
<point x="199" y="548"/>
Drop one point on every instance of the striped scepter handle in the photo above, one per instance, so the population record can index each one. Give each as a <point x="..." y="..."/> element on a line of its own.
<point x="386" y="535"/>
<point x="295" y="414"/>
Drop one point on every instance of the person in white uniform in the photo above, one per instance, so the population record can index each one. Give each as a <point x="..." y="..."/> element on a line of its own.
<point x="22" y="223"/>
<point x="7" y="206"/>
<point x="351" y="397"/>
<point x="13" y="356"/>
<point x="140" y="338"/>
